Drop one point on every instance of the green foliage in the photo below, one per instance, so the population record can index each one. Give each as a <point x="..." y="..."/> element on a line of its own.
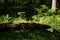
<point x="4" y="18"/>
<point x="35" y="35"/>
<point x="21" y="14"/>
<point x="53" y="20"/>
<point x="22" y="8"/>
<point x="18" y="20"/>
<point x="42" y="11"/>
<point x="58" y="12"/>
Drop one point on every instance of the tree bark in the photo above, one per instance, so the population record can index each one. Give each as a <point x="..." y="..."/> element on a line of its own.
<point x="53" y="6"/>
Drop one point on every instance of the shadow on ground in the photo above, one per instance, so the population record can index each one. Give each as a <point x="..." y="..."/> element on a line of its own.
<point x="27" y="31"/>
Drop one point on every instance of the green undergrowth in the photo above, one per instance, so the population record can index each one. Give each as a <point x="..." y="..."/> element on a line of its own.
<point x="53" y="21"/>
<point x="33" y="35"/>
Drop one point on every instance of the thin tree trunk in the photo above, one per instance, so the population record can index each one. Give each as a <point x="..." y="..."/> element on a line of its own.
<point x="53" y="6"/>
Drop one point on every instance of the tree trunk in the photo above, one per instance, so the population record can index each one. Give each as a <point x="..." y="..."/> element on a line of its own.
<point x="53" y="6"/>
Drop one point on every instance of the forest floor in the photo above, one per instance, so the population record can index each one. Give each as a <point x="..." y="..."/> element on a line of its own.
<point x="33" y="31"/>
<point x="29" y="31"/>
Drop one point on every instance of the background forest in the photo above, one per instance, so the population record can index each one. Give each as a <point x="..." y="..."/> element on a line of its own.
<point x="29" y="19"/>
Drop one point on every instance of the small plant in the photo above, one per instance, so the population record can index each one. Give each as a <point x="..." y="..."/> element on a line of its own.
<point x="42" y="10"/>
<point x="22" y="14"/>
<point x="4" y="18"/>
